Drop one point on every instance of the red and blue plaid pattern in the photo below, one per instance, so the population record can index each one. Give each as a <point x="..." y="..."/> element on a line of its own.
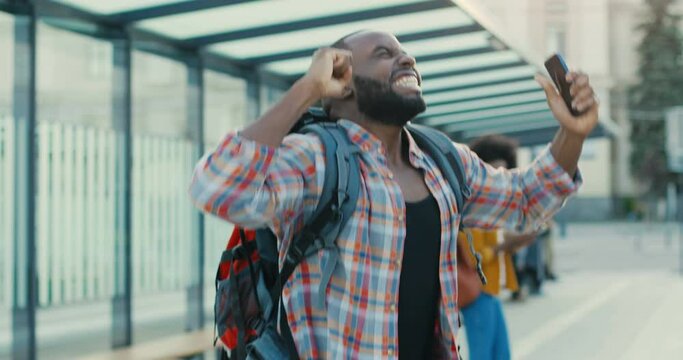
<point x="254" y="185"/>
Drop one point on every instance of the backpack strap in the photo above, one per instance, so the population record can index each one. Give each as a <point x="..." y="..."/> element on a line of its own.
<point x="337" y="203"/>
<point x="440" y="148"/>
<point x="348" y="189"/>
<point x="341" y="186"/>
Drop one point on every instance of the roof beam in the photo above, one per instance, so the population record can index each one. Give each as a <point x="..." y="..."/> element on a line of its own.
<point x="241" y="34"/>
<point x="453" y="113"/>
<point x="454" y="54"/>
<point x="474" y="70"/>
<point x="472" y="86"/>
<point x="455" y="72"/>
<point x="501" y="122"/>
<point x="511" y="110"/>
<point x="175" y="8"/>
<point x="475" y="98"/>
<point x="309" y="52"/>
<point x="46" y="8"/>
<point x="17" y="7"/>
<point x="516" y="117"/>
<point x="491" y="127"/>
<point x="73" y="19"/>
<point x="431" y="34"/>
<point x="533" y="134"/>
<point x="424" y="35"/>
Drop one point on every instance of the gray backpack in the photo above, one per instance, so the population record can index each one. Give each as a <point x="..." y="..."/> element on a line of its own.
<point x="248" y="307"/>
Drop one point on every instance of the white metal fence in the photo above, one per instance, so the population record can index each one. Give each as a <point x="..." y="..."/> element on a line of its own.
<point x="162" y="214"/>
<point x="75" y="209"/>
<point x="75" y="214"/>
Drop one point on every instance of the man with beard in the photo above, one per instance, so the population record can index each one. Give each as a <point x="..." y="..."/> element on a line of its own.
<point x="393" y="293"/>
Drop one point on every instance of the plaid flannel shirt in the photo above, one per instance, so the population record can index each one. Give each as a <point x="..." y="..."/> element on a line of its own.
<point x="255" y="185"/>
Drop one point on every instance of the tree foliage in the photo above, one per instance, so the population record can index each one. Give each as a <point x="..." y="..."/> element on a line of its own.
<point x="661" y="86"/>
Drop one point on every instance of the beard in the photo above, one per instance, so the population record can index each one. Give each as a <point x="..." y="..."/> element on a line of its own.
<point x="378" y="101"/>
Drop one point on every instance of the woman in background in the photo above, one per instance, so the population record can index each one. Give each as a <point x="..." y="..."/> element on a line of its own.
<point x="487" y="337"/>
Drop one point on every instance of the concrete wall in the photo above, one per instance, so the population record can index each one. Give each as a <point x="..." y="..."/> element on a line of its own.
<point x="597" y="178"/>
<point x="595" y="200"/>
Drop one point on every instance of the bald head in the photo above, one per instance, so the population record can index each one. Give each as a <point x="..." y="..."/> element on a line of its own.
<point x="386" y="85"/>
<point x="362" y="38"/>
<point x="341" y="43"/>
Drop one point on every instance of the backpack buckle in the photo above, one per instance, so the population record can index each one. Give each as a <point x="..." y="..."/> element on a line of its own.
<point x="318" y="243"/>
<point x="294" y="255"/>
<point x="336" y="213"/>
<point x="238" y="252"/>
<point x="258" y="324"/>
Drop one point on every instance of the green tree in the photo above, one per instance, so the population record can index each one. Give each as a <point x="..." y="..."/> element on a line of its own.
<point x="661" y="86"/>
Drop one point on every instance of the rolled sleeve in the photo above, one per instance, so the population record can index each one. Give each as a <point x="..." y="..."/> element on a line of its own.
<point x="226" y="181"/>
<point x="555" y="177"/>
<point x="518" y="199"/>
<point x="256" y="185"/>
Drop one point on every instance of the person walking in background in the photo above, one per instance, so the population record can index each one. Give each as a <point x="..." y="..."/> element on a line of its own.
<point x="533" y="264"/>
<point x="487" y="336"/>
<point x="550" y="270"/>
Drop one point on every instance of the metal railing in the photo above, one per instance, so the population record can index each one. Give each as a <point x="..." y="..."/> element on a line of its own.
<point x="75" y="214"/>
<point x="162" y="214"/>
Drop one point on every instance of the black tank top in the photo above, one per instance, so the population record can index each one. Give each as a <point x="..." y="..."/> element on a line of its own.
<point x="419" y="283"/>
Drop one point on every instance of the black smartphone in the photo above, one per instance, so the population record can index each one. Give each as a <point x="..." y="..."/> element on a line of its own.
<point x="558" y="70"/>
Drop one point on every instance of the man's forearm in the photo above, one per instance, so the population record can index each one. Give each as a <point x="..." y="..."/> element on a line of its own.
<point x="513" y="242"/>
<point x="271" y="128"/>
<point x="566" y="149"/>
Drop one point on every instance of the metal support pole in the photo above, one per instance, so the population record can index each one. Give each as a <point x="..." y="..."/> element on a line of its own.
<point x="24" y="298"/>
<point x="670" y="227"/>
<point x="680" y="248"/>
<point x="122" y="327"/>
<point x="195" y="117"/>
<point x="254" y="99"/>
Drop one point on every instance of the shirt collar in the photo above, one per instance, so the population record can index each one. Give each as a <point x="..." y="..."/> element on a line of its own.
<point x="370" y="143"/>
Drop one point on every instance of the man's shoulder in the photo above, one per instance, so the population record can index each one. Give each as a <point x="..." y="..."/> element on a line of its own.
<point x="317" y="134"/>
<point x="307" y="142"/>
<point x="314" y="139"/>
<point x="460" y="146"/>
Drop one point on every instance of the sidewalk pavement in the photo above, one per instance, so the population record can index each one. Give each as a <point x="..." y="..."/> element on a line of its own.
<point x="619" y="296"/>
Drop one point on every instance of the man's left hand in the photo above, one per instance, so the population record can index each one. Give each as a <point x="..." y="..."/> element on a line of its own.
<point x="583" y="100"/>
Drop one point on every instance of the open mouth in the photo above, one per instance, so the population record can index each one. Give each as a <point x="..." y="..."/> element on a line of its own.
<point x="408" y="81"/>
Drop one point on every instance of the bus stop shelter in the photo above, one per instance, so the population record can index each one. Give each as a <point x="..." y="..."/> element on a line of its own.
<point x="475" y="81"/>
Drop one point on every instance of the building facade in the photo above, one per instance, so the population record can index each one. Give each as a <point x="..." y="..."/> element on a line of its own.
<point x="598" y="37"/>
